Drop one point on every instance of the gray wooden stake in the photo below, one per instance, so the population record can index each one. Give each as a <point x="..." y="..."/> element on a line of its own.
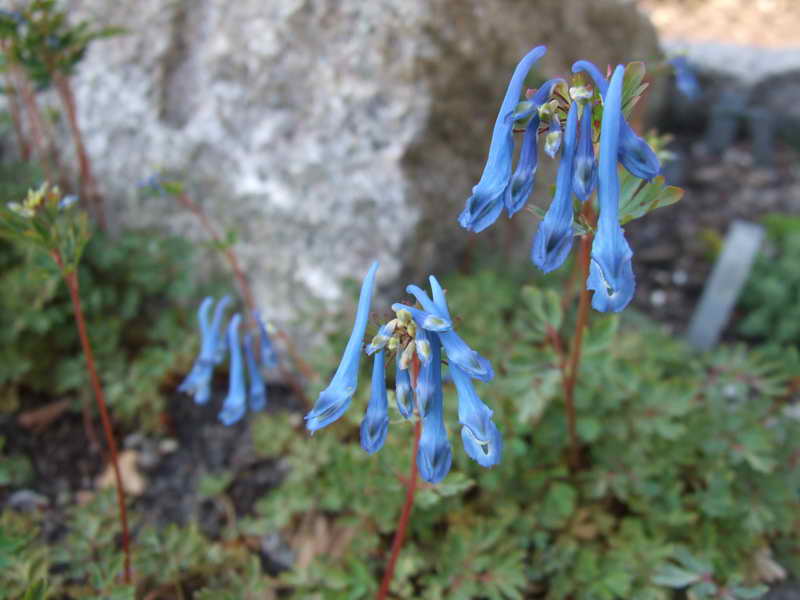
<point x="726" y="282"/>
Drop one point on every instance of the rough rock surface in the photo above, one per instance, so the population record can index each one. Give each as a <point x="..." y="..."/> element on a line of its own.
<point x="328" y="132"/>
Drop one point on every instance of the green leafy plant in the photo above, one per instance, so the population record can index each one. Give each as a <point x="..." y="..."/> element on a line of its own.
<point x="770" y="303"/>
<point x="681" y="455"/>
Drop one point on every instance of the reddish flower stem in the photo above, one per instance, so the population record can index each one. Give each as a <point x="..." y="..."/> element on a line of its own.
<point x="249" y="299"/>
<point x="16" y="118"/>
<point x="411" y="488"/>
<point x="570" y="368"/>
<point x="89" y="191"/>
<point x="71" y="278"/>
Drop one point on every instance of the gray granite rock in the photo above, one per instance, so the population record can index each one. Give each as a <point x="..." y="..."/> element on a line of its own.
<point x="328" y="132"/>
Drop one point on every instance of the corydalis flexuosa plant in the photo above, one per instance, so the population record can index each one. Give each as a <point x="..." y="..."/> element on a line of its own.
<point x="584" y="123"/>
<point x="215" y="343"/>
<point x="414" y="338"/>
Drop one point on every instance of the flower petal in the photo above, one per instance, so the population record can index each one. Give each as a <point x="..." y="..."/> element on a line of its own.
<point x="434" y="456"/>
<point x="235" y="402"/>
<point x="482" y="440"/>
<point x="486" y="202"/>
<point x="375" y="423"/>
<point x="334" y="400"/>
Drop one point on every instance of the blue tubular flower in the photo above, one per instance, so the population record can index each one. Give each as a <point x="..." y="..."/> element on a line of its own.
<point x="553" y="239"/>
<point x="521" y="184"/>
<point x="482" y="440"/>
<point x="258" y="390"/>
<point x="434" y="456"/>
<point x="635" y="154"/>
<point x="269" y="357"/>
<point x="234" y="405"/>
<point x="335" y="399"/>
<point x="552" y="141"/>
<point x="685" y="79"/>
<point x="375" y="424"/>
<point x="611" y="273"/>
<point x="584" y="176"/>
<point x="486" y="202"/>
<point x="402" y="390"/>
<point x="198" y="381"/>
<point x="432" y="321"/>
<point x="458" y="352"/>
<point x="426" y="380"/>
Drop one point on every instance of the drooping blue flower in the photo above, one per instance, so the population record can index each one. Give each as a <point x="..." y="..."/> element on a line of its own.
<point x="402" y="390"/>
<point x="198" y="382"/>
<point x="635" y="154"/>
<point x="552" y="141"/>
<point x="610" y="272"/>
<point x="269" y="356"/>
<point x="554" y="236"/>
<point x="584" y="178"/>
<point x="482" y="440"/>
<point x="236" y="401"/>
<point x="521" y="185"/>
<point x="486" y="202"/>
<point x="685" y="79"/>
<point x="457" y="349"/>
<point x="335" y="399"/>
<point x="434" y="456"/>
<point x="258" y="389"/>
<point x="375" y="424"/>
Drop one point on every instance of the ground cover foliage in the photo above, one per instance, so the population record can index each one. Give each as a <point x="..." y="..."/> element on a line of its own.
<point x="688" y="479"/>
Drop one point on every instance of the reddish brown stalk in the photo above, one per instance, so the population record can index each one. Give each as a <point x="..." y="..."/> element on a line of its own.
<point x="570" y="368"/>
<point x="16" y="118"/>
<point x="71" y="279"/>
<point x="411" y="488"/>
<point x="249" y="298"/>
<point x="88" y="183"/>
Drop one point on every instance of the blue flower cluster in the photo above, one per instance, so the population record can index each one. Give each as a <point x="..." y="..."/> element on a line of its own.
<point x="213" y="347"/>
<point x="416" y="333"/>
<point x="579" y="173"/>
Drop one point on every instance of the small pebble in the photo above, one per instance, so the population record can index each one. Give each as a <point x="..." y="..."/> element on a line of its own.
<point x="680" y="277"/>
<point x="658" y="298"/>
<point x="26" y="500"/>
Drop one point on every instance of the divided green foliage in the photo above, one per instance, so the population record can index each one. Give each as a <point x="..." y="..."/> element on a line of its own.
<point x="770" y="302"/>
<point x="131" y="292"/>
<point x="689" y="480"/>
<point x="684" y="455"/>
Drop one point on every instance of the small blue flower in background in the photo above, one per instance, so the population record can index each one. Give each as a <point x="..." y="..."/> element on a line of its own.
<point x="236" y="401"/>
<point x="67" y="201"/>
<point x="258" y="390"/>
<point x="553" y="239"/>
<point x="269" y="356"/>
<point x="214" y="345"/>
<point x="416" y="336"/>
<point x="685" y="79"/>
<point x="335" y="399"/>
<point x="487" y="199"/>
<point x="198" y="382"/>
<point x="610" y="271"/>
